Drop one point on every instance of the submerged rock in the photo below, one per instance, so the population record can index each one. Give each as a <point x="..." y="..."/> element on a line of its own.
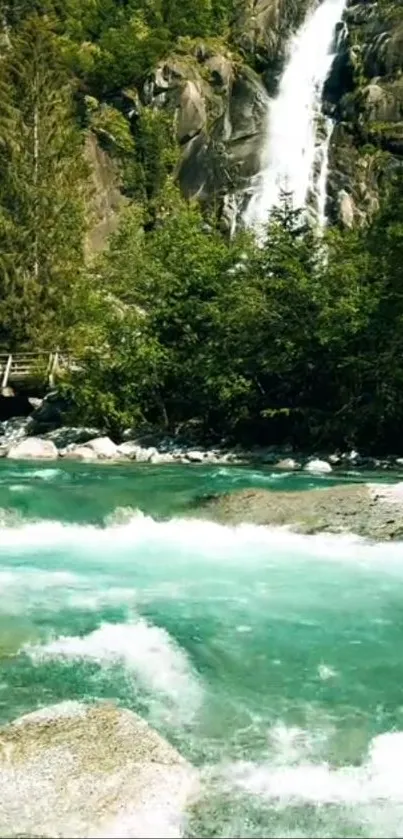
<point x="33" y="448"/>
<point x="90" y="771"/>
<point x="375" y="512"/>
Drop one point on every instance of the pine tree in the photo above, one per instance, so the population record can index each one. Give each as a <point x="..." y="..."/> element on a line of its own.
<point x="41" y="189"/>
<point x="15" y="11"/>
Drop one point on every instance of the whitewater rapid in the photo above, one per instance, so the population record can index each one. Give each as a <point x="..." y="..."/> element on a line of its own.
<point x="176" y="538"/>
<point x="293" y="148"/>
<point x="270" y="659"/>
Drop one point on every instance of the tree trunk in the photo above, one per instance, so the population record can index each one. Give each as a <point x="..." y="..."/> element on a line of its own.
<point x="36" y="179"/>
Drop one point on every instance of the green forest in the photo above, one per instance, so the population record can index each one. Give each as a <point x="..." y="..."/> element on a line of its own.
<point x="178" y="325"/>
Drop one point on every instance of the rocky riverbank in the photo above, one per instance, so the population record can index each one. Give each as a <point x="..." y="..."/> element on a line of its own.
<point x="43" y="436"/>
<point x="369" y="510"/>
<point x="19" y="440"/>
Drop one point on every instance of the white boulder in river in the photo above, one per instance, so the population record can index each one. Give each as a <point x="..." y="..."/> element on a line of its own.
<point x="90" y="771"/>
<point x="318" y="467"/>
<point x="103" y="447"/>
<point x="33" y="448"/>
<point x="288" y="464"/>
<point x="78" y="453"/>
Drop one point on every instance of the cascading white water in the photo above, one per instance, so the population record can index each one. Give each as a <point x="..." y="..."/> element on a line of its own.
<point x="321" y="182"/>
<point x="288" y="159"/>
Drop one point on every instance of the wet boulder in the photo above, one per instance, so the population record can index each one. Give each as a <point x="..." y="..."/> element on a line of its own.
<point x="90" y="771"/>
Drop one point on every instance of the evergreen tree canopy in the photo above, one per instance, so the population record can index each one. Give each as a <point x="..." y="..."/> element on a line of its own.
<point x="41" y="187"/>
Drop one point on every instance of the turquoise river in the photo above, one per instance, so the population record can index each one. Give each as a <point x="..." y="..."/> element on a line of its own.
<point x="272" y="661"/>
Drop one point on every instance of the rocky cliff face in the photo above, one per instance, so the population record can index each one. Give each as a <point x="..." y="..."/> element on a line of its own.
<point x="219" y="97"/>
<point x="365" y="96"/>
<point x="217" y="93"/>
<point x="219" y="106"/>
<point x="261" y="29"/>
<point x="105" y="196"/>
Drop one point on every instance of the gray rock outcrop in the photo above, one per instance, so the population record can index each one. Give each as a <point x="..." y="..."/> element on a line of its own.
<point x="219" y="106"/>
<point x="365" y="96"/>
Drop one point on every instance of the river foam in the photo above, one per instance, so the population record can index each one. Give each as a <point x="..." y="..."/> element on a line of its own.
<point x="204" y="538"/>
<point x="378" y="778"/>
<point x="145" y="652"/>
<point x="303" y="796"/>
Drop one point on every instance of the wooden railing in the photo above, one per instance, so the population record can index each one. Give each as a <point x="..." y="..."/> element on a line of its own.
<point x="19" y="368"/>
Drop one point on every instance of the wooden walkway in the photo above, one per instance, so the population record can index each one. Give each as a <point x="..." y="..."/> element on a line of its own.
<point x="30" y="367"/>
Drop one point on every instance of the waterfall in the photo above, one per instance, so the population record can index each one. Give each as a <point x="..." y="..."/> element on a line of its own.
<point x="321" y="183"/>
<point x="289" y="156"/>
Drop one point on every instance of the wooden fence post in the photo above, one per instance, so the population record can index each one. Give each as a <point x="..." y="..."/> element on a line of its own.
<point x="54" y="366"/>
<point x="6" y="372"/>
